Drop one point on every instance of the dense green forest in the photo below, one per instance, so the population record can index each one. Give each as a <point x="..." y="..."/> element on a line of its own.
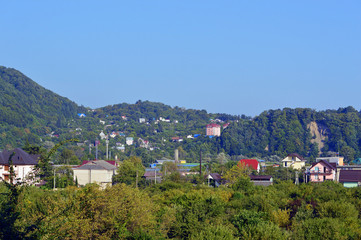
<point x="31" y="114"/>
<point x="181" y="210"/>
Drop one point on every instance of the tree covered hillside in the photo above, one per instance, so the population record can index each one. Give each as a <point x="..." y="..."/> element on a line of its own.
<point x="30" y="113"/>
<point x="280" y="132"/>
<point x="26" y="108"/>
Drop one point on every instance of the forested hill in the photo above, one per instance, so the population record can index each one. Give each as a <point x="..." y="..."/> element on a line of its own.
<point x="274" y="132"/>
<point x="305" y="131"/>
<point x="29" y="112"/>
<point x="24" y="104"/>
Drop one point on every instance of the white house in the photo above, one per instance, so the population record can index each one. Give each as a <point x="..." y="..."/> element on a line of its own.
<point x="294" y="161"/>
<point x="23" y="164"/>
<point x="129" y="140"/>
<point x="102" y="135"/>
<point x="97" y="171"/>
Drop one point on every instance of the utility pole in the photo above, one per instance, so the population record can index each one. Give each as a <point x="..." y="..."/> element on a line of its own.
<point x="296" y="178"/>
<point x="54" y="180"/>
<point x="136" y="181"/>
<point x="96" y="150"/>
<point x="200" y="165"/>
<point x="107" y="143"/>
<point x="155" y="176"/>
<point x="208" y="175"/>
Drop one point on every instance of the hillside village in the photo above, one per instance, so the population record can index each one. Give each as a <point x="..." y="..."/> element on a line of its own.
<point x="103" y="171"/>
<point x="151" y="171"/>
<point x="114" y="137"/>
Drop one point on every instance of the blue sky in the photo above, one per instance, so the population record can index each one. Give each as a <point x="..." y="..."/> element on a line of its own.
<point x="236" y="57"/>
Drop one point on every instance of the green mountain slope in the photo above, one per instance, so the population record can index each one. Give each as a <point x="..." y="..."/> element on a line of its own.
<point x="29" y="112"/>
<point x="23" y="102"/>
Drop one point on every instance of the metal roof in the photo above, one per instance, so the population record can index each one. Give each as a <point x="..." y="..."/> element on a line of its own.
<point x="20" y="158"/>
<point x="96" y="165"/>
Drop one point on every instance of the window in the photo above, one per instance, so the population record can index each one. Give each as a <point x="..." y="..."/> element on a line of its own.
<point x="6" y="168"/>
<point x="316" y="177"/>
<point x="316" y="169"/>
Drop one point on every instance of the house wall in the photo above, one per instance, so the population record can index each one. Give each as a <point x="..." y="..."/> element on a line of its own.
<point x="262" y="183"/>
<point x="286" y="163"/>
<point x="350" y="184"/>
<point x="209" y="131"/>
<point x="21" y="172"/>
<point x="217" y="131"/>
<point x="337" y="160"/>
<point x="298" y="165"/>
<point x="340" y="162"/>
<point x="314" y="177"/>
<point x="213" y="131"/>
<point x="86" y="176"/>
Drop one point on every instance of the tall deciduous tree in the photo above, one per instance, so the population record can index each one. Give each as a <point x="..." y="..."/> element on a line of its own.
<point x="129" y="170"/>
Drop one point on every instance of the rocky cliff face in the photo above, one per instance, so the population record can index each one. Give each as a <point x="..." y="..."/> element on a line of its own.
<point x="318" y="133"/>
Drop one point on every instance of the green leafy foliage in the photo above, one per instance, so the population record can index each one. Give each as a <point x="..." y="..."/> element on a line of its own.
<point x="172" y="210"/>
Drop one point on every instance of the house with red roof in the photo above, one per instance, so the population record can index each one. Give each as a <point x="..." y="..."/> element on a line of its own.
<point x="225" y="125"/>
<point x="251" y="163"/>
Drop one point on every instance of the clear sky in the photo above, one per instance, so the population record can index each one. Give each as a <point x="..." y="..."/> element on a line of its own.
<point x="236" y="57"/>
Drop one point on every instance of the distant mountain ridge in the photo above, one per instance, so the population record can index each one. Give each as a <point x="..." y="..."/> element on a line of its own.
<point x="24" y="102"/>
<point x="29" y="112"/>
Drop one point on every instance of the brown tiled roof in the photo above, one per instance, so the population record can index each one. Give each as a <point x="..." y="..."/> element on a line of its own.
<point x="260" y="177"/>
<point x="327" y="164"/>
<point x="295" y="155"/>
<point x="350" y="176"/>
<point x="215" y="176"/>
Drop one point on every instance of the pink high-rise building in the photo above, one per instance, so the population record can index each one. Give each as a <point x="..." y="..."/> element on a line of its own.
<point x="213" y="130"/>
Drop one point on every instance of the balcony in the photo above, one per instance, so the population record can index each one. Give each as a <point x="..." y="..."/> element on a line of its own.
<point x="321" y="172"/>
